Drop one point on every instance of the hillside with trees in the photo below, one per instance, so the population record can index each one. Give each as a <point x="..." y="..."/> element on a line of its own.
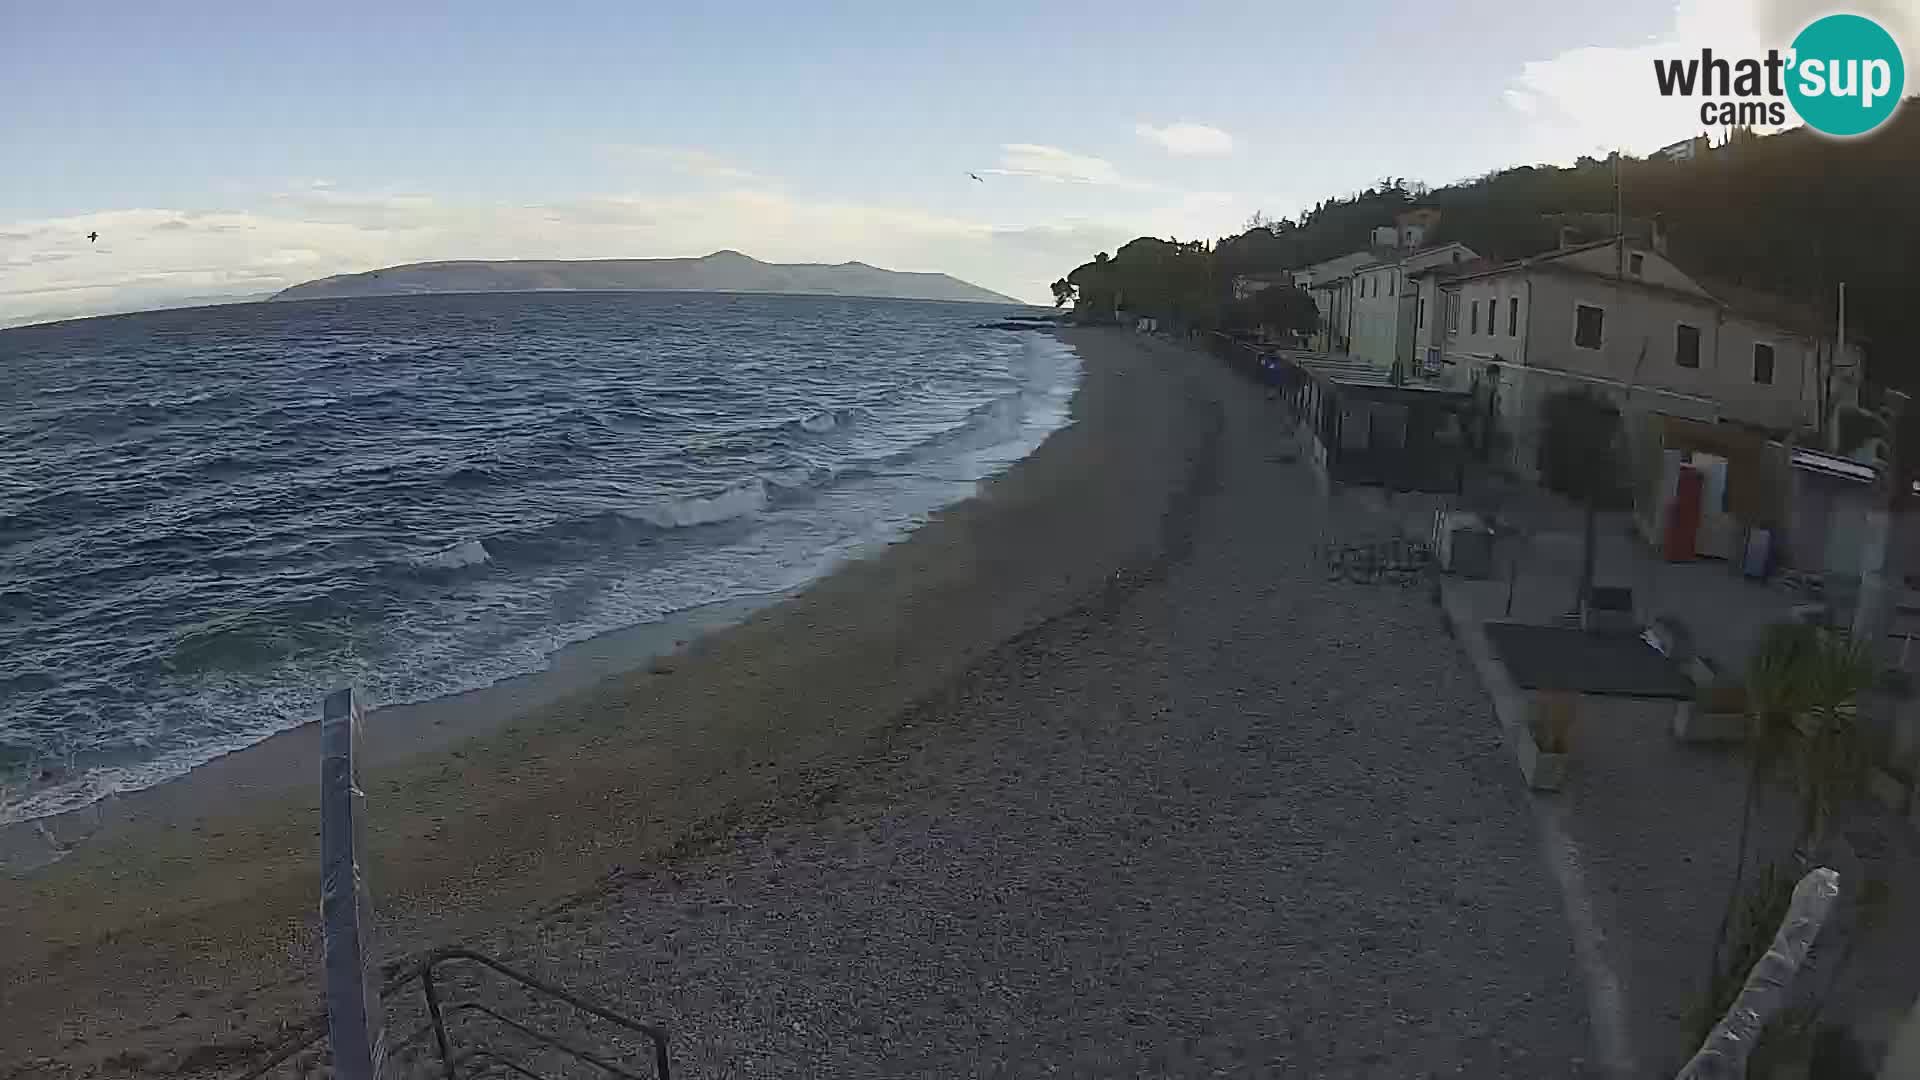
<point x="1787" y="216"/>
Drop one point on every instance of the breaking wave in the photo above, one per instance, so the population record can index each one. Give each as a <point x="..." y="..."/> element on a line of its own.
<point x="414" y="507"/>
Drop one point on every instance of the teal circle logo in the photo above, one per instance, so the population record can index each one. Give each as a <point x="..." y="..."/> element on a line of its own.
<point x="1847" y="75"/>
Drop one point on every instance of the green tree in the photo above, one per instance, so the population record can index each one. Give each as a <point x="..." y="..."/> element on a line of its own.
<point x="1277" y="309"/>
<point x="1063" y="293"/>
<point x="1095" y="285"/>
<point x="1285" y="309"/>
<point x="1581" y="458"/>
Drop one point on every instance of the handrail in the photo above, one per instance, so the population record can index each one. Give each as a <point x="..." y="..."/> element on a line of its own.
<point x="504" y="1062"/>
<point x="656" y="1035"/>
<point x="314" y="1029"/>
<point x="547" y="1040"/>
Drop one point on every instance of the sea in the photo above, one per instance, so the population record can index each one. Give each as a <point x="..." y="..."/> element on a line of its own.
<point x="211" y="517"/>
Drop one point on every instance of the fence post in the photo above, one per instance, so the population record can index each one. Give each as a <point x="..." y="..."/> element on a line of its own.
<point x="346" y="911"/>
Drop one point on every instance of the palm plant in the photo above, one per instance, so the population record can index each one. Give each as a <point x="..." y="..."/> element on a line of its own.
<point x="1803" y="684"/>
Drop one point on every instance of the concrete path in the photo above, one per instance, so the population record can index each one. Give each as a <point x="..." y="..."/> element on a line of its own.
<point x="1224" y="817"/>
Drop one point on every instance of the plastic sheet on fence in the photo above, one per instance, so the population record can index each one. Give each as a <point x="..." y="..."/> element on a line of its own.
<point x="1724" y="1055"/>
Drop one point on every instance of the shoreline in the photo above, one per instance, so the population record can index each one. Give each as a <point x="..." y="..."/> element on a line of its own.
<point x="243" y="301"/>
<point x="282" y="763"/>
<point x="193" y="922"/>
<point x="278" y="762"/>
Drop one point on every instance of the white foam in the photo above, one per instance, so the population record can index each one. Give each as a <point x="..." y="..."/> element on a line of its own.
<point x="738" y="500"/>
<point x="464" y="553"/>
<point x="790" y="547"/>
<point x="820" y="423"/>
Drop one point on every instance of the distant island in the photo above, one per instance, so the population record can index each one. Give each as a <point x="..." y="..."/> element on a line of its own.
<point x="722" y="271"/>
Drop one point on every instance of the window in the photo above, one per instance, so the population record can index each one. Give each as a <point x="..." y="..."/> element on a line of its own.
<point x="1686" y="345"/>
<point x="1589" y="324"/>
<point x="1453" y="313"/>
<point x="1420" y="313"/>
<point x="1513" y="316"/>
<point x="1390" y="278"/>
<point x="1476" y="316"/>
<point x="1763" y="363"/>
<point x="1635" y="263"/>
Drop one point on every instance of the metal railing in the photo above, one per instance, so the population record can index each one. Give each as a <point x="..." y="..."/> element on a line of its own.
<point x="460" y="1027"/>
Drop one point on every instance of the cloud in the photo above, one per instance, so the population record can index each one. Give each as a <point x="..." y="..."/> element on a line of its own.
<point x="1186" y="139"/>
<point x="691" y="162"/>
<point x="1594" y="99"/>
<point x="1052" y="164"/>
<point x="155" y="256"/>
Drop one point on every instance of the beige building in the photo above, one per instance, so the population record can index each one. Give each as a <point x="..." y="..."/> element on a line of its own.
<point x="1630" y="324"/>
<point x="1384" y="309"/>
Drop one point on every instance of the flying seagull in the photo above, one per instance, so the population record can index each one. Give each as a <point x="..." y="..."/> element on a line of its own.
<point x="92" y="236"/>
<point x="976" y="176"/>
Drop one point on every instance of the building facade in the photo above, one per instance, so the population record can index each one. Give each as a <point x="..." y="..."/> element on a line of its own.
<point x="1630" y="325"/>
<point x="1384" y="309"/>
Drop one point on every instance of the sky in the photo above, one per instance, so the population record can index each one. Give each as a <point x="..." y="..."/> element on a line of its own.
<point x="237" y="148"/>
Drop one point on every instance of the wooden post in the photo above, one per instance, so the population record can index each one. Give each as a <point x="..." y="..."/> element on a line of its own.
<point x="346" y="909"/>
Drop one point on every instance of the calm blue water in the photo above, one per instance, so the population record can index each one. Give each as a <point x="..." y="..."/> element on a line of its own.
<point x="209" y="517"/>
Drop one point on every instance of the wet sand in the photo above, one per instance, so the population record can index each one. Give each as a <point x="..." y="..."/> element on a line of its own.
<point x="188" y="919"/>
<point x="285" y="763"/>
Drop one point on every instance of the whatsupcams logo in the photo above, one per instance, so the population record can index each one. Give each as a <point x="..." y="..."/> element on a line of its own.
<point x="1843" y="76"/>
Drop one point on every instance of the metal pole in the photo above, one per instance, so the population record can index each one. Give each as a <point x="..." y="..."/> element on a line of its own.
<point x="1833" y="364"/>
<point x="1619" y="225"/>
<point x="354" y="1021"/>
<point x="1841" y="345"/>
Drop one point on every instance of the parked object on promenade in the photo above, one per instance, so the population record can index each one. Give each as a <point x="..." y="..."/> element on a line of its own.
<point x="1608" y="609"/>
<point x="1463" y="544"/>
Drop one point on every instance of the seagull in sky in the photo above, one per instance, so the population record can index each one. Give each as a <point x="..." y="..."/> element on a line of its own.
<point x="976" y="176"/>
<point x="92" y="236"/>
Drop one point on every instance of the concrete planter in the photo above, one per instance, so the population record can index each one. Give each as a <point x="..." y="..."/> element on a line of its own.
<point x="1543" y="771"/>
<point x="1694" y="722"/>
<point x="1549" y="711"/>
<point x="1717" y="714"/>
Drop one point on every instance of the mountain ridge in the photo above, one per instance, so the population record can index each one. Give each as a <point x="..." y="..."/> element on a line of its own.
<point x="722" y="271"/>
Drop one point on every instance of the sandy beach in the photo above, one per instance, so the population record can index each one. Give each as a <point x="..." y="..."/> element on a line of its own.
<point x="1094" y="772"/>
<point x="200" y="893"/>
